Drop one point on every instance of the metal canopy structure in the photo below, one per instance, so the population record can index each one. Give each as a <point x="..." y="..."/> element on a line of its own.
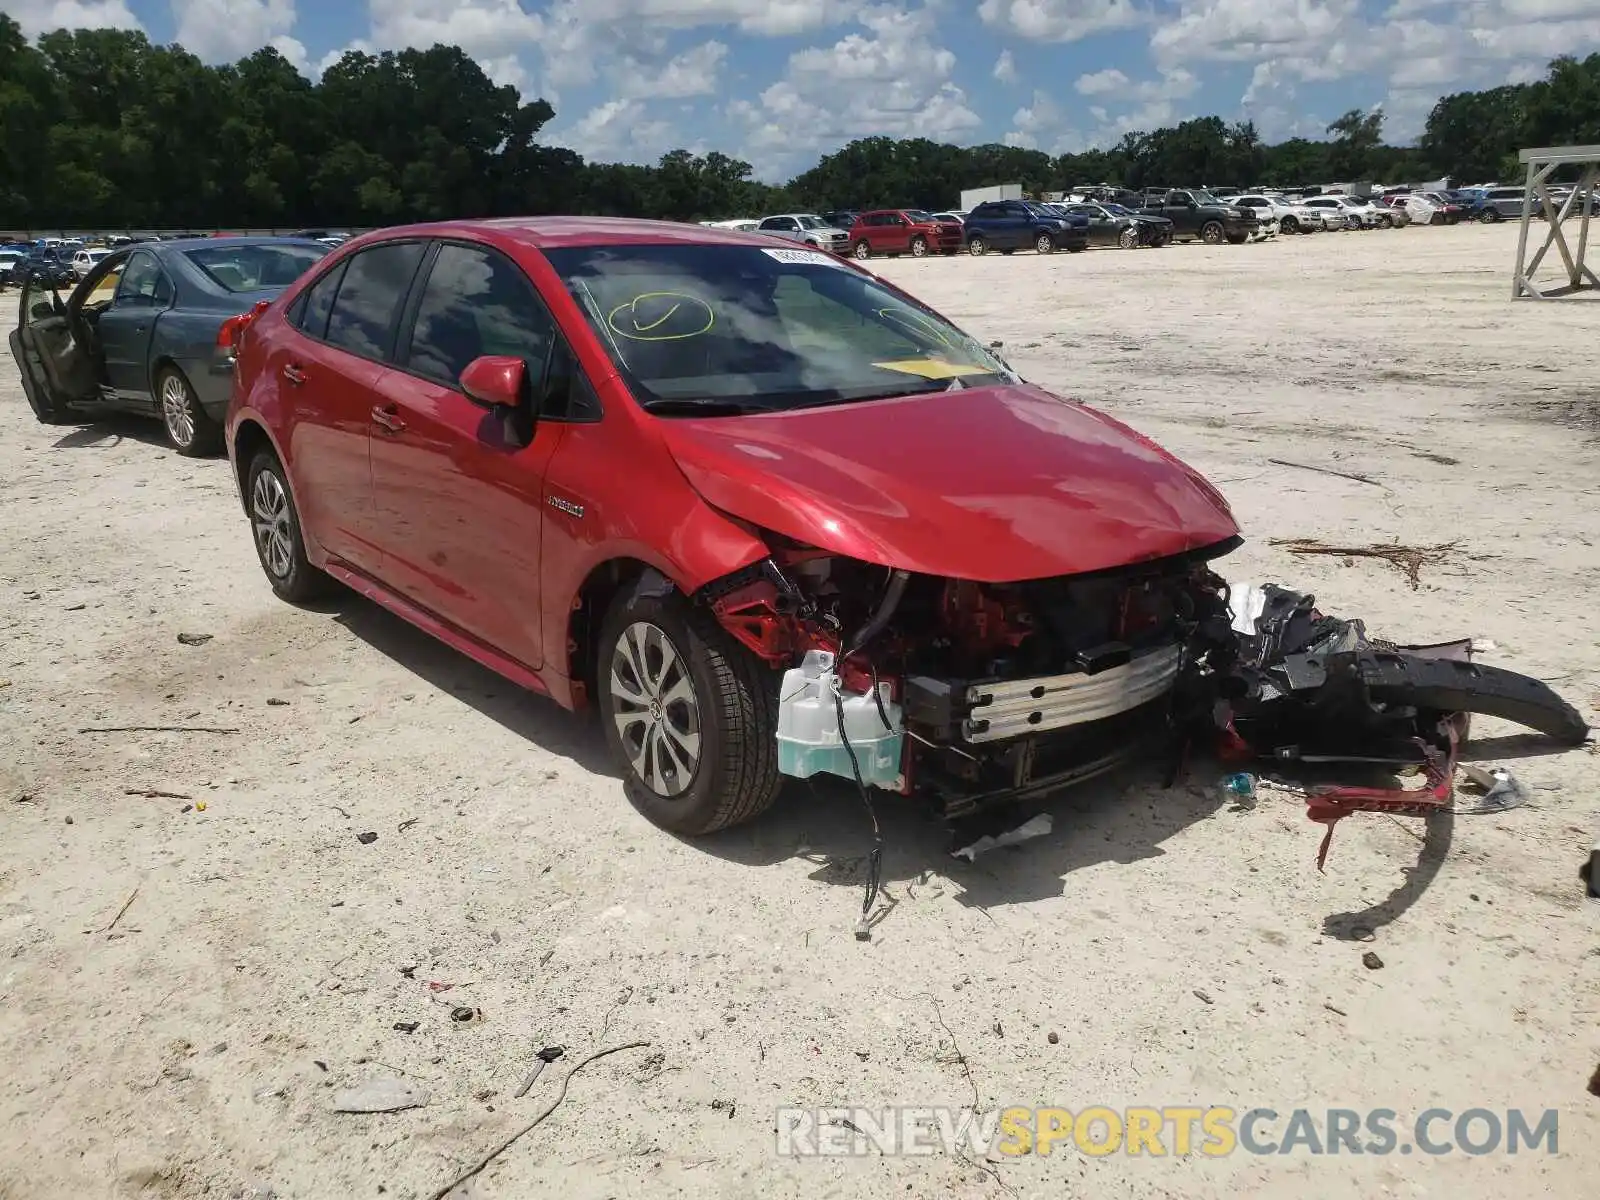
<point x="1543" y="163"/>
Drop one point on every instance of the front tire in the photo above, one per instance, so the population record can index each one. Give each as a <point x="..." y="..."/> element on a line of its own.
<point x="191" y="432"/>
<point x="1128" y="239"/>
<point x="1211" y="233"/>
<point x="1044" y="243"/>
<point x="863" y="250"/>
<point x="919" y="247"/>
<point x="1489" y="216"/>
<point x="976" y="245"/>
<point x="275" y="524"/>
<point x="690" y="715"/>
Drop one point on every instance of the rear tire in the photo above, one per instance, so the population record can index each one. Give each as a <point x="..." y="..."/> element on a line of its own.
<point x="690" y="715"/>
<point x="863" y="250"/>
<point x="191" y="431"/>
<point x="275" y="527"/>
<point x="1489" y="216"/>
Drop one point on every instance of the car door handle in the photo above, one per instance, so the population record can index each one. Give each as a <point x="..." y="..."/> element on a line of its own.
<point x="293" y="374"/>
<point x="388" y="416"/>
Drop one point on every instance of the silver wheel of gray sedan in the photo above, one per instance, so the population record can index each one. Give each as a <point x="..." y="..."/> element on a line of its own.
<point x="175" y="411"/>
<point x="655" y="709"/>
<point x="269" y="513"/>
<point x="191" y="432"/>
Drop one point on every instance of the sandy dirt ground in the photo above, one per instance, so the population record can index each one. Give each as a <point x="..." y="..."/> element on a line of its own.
<point x="1182" y="950"/>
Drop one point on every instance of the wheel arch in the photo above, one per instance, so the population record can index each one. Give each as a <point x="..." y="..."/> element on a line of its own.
<point x="249" y="438"/>
<point x="605" y="581"/>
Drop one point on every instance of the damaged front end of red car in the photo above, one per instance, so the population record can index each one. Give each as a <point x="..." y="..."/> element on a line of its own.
<point x="987" y="692"/>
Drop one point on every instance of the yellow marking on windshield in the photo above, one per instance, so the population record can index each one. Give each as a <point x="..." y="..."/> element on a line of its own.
<point x="916" y="324"/>
<point x="931" y="368"/>
<point x="625" y="319"/>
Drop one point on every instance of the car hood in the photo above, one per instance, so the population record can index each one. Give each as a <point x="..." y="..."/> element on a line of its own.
<point x="1149" y="219"/>
<point x="991" y="484"/>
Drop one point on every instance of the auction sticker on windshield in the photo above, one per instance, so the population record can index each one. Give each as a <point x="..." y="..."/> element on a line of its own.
<point x="804" y="258"/>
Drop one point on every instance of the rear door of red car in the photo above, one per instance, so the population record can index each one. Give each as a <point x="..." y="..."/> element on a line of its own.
<point x="458" y="486"/>
<point x="347" y="322"/>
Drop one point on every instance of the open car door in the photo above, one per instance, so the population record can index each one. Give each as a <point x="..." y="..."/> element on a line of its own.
<point x="57" y="370"/>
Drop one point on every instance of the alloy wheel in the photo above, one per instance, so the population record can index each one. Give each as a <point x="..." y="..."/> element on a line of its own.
<point x="269" y="513"/>
<point x="863" y="250"/>
<point x="655" y="709"/>
<point x="175" y="410"/>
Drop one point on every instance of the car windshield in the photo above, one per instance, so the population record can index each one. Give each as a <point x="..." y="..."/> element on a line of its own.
<point x="1204" y="198"/>
<point x="813" y="223"/>
<point x="916" y="214"/>
<point x="1117" y="210"/>
<point x="254" y="267"/>
<point x="727" y="329"/>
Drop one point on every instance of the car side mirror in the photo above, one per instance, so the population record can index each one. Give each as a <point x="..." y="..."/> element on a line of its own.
<point x="496" y="380"/>
<point x="41" y="310"/>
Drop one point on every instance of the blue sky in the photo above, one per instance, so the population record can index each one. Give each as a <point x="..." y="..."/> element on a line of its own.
<point x="779" y="82"/>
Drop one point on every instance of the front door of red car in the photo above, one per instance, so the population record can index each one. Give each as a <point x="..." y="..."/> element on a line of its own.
<point x="458" y="487"/>
<point x="894" y="233"/>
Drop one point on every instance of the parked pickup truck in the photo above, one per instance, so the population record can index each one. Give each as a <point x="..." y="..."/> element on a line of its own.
<point x="1198" y="214"/>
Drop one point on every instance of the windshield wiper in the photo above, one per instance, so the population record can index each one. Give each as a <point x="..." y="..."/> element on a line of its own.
<point x="701" y="406"/>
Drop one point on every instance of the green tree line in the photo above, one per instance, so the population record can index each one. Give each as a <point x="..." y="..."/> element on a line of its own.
<point x="101" y="129"/>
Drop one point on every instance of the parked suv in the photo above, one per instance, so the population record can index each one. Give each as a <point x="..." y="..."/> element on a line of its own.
<point x="1010" y="225"/>
<point x="903" y="231"/>
<point x="1502" y="203"/>
<point x="1280" y="213"/>
<point x="85" y="261"/>
<point x="735" y="496"/>
<point x="807" y="228"/>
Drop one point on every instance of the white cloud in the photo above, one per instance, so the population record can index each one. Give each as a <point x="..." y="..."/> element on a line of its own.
<point x="625" y="130"/>
<point x="1101" y="83"/>
<point x="1150" y="104"/>
<point x="893" y="79"/>
<point x="692" y="73"/>
<point x="1005" y="68"/>
<point x="483" y="28"/>
<point x="221" y="31"/>
<point x="1418" y="50"/>
<point x="1061" y="20"/>
<point x="45" y="16"/>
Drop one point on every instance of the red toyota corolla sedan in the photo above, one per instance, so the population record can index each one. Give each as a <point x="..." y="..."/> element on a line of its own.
<point x="768" y="513"/>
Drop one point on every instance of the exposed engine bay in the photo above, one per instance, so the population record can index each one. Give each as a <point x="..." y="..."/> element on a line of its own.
<point x="971" y="695"/>
<point x="1001" y="690"/>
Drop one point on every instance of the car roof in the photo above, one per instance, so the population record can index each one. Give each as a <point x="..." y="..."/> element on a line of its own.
<point x="553" y="232"/>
